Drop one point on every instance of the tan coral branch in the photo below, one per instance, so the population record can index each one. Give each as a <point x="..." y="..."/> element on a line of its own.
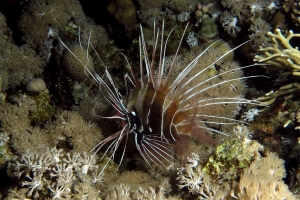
<point x="282" y="54"/>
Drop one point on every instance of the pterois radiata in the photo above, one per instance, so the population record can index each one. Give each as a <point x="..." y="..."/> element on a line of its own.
<point x="161" y="112"/>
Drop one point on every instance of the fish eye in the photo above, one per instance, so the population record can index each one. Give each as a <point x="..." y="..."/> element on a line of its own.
<point x="133" y="113"/>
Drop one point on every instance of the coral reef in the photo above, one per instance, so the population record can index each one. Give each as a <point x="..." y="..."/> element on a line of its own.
<point x="44" y="108"/>
<point x="232" y="156"/>
<point x="199" y="183"/>
<point x="259" y="29"/>
<point x="263" y="180"/>
<point x="70" y="127"/>
<point x="124" y="11"/>
<point x="18" y="65"/>
<point x="55" y="174"/>
<point x="139" y="185"/>
<point x="43" y="13"/>
<point x="164" y="10"/>
<point x="52" y="115"/>
<point x="16" y="123"/>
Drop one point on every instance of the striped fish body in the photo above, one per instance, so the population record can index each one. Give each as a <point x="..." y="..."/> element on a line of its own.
<point x="158" y="123"/>
<point x="153" y="116"/>
<point x="163" y="112"/>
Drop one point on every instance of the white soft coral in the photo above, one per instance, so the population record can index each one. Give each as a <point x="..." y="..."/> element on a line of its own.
<point x="88" y="162"/>
<point x="59" y="192"/>
<point x="250" y="114"/>
<point x="229" y="23"/>
<point x="34" y="184"/>
<point x="191" y="176"/>
<point x="190" y="179"/>
<point x="51" y="166"/>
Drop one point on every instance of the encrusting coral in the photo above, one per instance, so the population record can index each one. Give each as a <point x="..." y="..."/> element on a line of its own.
<point x="232" y="155"/>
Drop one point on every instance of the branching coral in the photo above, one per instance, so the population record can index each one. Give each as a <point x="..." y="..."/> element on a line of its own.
<point x="287" y="91"/>
<point x="282" y="55"/>
<point x="292" y="7"/>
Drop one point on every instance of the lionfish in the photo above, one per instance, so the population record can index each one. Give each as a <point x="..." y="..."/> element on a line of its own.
<point x="161" y="112"/>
